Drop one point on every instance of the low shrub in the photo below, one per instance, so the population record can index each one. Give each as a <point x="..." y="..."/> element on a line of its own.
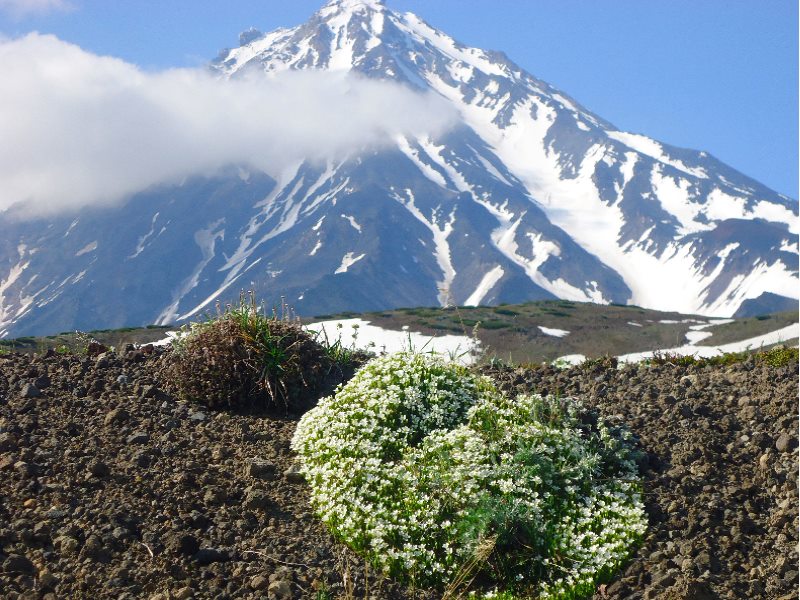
<point x="779" y="356"/>
<point x="243" y="357"/>
<point x="440" y="480"/>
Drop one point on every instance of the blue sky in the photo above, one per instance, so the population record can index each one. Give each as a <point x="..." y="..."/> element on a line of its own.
<point x="714" y="75"/>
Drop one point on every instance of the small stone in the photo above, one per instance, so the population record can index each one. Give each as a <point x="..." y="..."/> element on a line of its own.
<point x="661" y="580"/>
<point x="184" y="543"/>
<point x="206" y="556"/>
<point x="198" y="417"/>
<point x="184" y="593"/>
<point x="116" y="416"/>
<point x="47" y="581"/>
<point x="122" y="380"/>
<point x="215" y="496"/>
<point x="255" y="500"/>
<point x="281" y="589"/>
<point x="29" y="503"/>
<point x="137" y="438"/>
<point x="96" y="349"/>
<point x="23" y="468"/>
<point x="260" y="469"/>
<point x="763" y="462"/>
<point x="293" y="475"/>
<point x="30" y="391"/>
<point x="259" y="582"/>
<point x="99" y="469"/>
<point x="93" y="548"/>
<point x="7" y="442"/>
<point x="18" y="564"/>
<point x="69" y="545"/>
<point x="785" y="443"/>
<point x="141" y="459"/>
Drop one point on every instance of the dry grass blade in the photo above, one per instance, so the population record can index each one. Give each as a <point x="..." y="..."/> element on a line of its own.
<point x="457" y="588"/>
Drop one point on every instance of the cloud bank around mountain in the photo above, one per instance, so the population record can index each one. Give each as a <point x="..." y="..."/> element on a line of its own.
<point x="83" y="130"/>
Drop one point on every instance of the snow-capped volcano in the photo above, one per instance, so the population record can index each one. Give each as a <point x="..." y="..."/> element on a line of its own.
<point x="530" y="197"/>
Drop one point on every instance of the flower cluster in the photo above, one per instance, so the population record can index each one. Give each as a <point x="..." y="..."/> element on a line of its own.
<point x="435" y="476"/>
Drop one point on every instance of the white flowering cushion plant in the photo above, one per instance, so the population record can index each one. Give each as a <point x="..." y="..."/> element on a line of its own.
<point x="439" y="479"/>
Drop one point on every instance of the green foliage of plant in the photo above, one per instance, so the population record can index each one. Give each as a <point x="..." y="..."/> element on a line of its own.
<point x="440" y="480"/>
<point x="244" y="357"/>
<point x="506" y="311"/>
<point x="495" y="324"/>
<point x="779" y="356"/>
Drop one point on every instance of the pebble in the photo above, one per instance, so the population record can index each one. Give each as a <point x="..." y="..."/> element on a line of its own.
<point x="259" y="582"/>
<point x="18" y="564"/>
<point x="184" y="593"/>
<point x="137" y="438"/>
<point x="206" y="556"/>
<point x="785" y="443"/>
<point x="293" y="474"/>
<point x="99" y="469"/>
<point x="281" y="589"/>
<point x="260" y="469"/>
<point x="183" y="543"/>
<point x="30" y="391"/>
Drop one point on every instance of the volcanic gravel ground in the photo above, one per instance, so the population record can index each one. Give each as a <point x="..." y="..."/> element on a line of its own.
<point x="109" y="487"/>
<point x="720" y="475"/>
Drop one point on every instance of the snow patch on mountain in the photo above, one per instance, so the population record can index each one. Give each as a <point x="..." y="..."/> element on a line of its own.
<point x="348" y="260"/>
<point x="488" y="281"/>
<point x="90" y="247"/>
<point x="440" y="234"/>
<point x="553" y="332"/>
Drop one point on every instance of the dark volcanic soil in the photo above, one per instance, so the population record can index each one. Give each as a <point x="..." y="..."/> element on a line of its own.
<point x="110" y="488"/>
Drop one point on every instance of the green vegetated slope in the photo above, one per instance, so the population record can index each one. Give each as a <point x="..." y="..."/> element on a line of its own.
<point x="69" y="341"/>
<point x="509" y="332"/>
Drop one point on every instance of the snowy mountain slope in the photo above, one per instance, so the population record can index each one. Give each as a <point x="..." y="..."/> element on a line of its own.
<point x="531" y="197"/>
<point x="643" y="208"/>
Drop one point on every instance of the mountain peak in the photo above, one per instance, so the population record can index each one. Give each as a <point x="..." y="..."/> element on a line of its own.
<point x="334" y="6"/>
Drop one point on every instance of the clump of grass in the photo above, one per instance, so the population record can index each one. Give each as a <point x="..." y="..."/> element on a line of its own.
<point x="244" y="357"/>
<point x="440" y="480"/>
<point x="778" y="356"/>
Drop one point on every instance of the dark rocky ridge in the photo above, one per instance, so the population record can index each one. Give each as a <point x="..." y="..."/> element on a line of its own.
<point x="109" y="487"/>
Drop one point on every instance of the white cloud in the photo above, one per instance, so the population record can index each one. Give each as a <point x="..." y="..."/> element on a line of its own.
<point x="84" y="130"/>
<point x="24" y="8"/>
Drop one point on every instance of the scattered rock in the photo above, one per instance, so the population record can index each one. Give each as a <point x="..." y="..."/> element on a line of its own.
<point x="259" y="582"/>
<point x="17" y="564"/>
<point x="786" y="443"/>
<point x="137" y="438"/>
<point x="30" y="391"/>
<point x="184" y="593"/>
<point x="260" y="469"/>
<point x="116" y="416"/>
<point x="206" y="556"/>
<point x="99" y="469"/>
<point x="183" y="543"/>
<point x="293" y="475"/>
<point x="255" y="499"/>
<point x="280" y="589"/>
